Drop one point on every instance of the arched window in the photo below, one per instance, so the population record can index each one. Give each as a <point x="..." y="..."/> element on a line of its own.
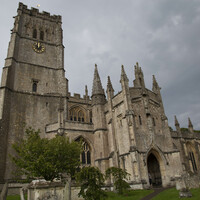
<point x="85" y="157"/>
<point x="41" y="35"/>
<point x="194" y="166"/>
<point x="140" y="120"/>
<point x="191" y="155"/>
<point x="192" y="159"/>
<point x="34" y="87"/>
<point x="35" y="33"/>
<point x="77" y="114"/>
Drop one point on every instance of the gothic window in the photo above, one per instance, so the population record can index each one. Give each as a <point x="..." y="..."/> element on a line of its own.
<point x="140" y="120"/>
<point x="76" y="114"/>
<point x="192" y="159"/>
<point x="35" y="33"/>
<point x="34" y="86"/>
<point x="41" y="35"/>
<point x="85" y="157"/>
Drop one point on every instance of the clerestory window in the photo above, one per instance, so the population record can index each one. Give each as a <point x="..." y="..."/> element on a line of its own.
<point x="77" y="114"/>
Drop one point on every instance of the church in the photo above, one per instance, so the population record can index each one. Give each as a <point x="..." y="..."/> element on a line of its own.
<point x="128" y="130"/>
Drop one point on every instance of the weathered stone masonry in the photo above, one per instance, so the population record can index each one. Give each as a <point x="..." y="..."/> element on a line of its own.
<point x="128" y="129"/>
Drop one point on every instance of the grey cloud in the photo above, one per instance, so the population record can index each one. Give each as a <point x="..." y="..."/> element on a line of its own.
<point x="162" y="35"/>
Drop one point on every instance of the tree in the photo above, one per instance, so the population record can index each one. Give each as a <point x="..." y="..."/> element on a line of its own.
<point x="118" y="175"/>
<point x="47" y="158"/>
<point x="91" y="180"/>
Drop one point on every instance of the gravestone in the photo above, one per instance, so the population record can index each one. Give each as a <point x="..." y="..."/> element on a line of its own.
<point x="4" y="192"/>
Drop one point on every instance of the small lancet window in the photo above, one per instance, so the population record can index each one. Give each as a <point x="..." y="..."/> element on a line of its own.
<point x="34" y="87"/>
<point x="192" y="159"/>
<point x="35" y="33"/>
<point x="140" y="120"/>
<point x="41" y="35"/>
<point x="154" y="122"/>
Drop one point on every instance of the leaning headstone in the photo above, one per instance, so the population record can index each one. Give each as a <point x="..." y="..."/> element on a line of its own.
<point x="21" y="190"/>
<point x="181" y="186"/>
<point x="4" y="192"/>
<point x="185" y="193"/>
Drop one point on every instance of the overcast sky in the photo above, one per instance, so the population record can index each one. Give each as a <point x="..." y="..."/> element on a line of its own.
<point x="162" y="35"/>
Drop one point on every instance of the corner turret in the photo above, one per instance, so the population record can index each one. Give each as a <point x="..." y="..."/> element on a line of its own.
<point x="98" y="94"/>
<point x="177" y="124"/>
<point x="86" y="94"/>
<point x="125" y="89"/>
<point x="155" y="86"/>
<point x="139" y="77"/>
<point x="190" y="126"/>
<point x="124" y="79"/>
<point x="110" y="90"/>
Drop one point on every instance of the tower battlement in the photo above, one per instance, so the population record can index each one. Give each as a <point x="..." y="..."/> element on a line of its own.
<point x="35" y="12"/>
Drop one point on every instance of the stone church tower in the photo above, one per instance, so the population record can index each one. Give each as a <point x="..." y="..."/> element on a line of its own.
<point x="128" y="129"/>
<point x="33" y="80"/>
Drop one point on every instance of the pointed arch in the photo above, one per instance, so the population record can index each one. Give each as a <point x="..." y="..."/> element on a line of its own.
<point x="192" y="157"/>
<point x="77" y="113"/>
<point x="155" y="157"/>
<point x="158" y="152"/>
<point x="85" y="156"/>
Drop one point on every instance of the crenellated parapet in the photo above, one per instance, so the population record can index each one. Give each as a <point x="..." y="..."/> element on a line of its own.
<point x="35" y="12"/>
<point x="77" y="97"/>
<point x="39" y="26"/>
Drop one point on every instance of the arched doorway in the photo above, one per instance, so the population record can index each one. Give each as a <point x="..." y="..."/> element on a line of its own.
<point x="154" y="170"/>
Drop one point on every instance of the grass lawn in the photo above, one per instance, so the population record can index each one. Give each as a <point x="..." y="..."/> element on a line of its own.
<point x="173" y="194"/>
<point x="13" y="197"/>
<point x="131" y="195"/>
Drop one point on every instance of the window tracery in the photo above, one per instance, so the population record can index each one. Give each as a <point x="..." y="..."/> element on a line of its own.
<point x="85" y="157"/>
<point x="76" y="114"/>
